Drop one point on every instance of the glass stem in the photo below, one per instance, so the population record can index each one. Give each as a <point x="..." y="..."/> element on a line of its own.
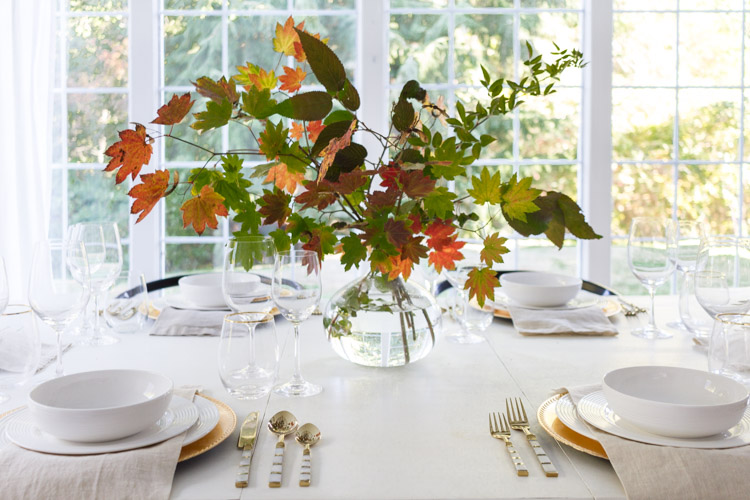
<point x="58" y="363"/>
<point x="651" y="320"/>
<point x="97" y="332"/>
<point x="297" y="377"/>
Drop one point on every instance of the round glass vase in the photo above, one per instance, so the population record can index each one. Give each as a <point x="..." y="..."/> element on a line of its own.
<point x="376" y="322"/>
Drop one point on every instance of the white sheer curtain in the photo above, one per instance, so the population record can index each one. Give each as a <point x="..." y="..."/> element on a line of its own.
<point x="26" y="56"/>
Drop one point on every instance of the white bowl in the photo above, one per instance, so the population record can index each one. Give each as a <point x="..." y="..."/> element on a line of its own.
<point x="100" y="405"/>
<point x="675" y="402"/>
<point x="203" y="289"/>
<point x="538" y="289"/>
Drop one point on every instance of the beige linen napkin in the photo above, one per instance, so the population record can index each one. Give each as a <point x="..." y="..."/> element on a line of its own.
<point x="584" y="321"/>
<point x="186" y="322"/>
<point x="145" y="473"/>
<point x="650" y="472"/>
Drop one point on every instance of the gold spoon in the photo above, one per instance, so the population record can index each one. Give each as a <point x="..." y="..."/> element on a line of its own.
<point x="281" y="424"/>
<point x="307" y="435"/>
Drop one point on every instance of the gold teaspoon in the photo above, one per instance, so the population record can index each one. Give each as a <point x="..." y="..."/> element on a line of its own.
<point x="307" y="435"/>
<point x="281" y="424"/>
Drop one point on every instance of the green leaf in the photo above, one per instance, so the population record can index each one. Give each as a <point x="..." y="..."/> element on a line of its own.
<point x="439" y="203"/>
<point x="340" y="115"/>
<point x="324" y="63"/>
<point x="273" y="139"/>
<point x="249" y="217"/>
<point x="518" y="198"/>
<point x="412" y="90"/>
<point x="308" y="106"/>
<point x="354" y="251"/>
<point x="574" y="220"/>
<point x="348" y="96"/>
<point x="346" y="160"/>
<point x="410" y="156"/>
<point x="481" y="284"/>
<point x="215" y="116"/>
<point x="262" y="169"/>
<point x="486" y="188"/>
<point x="258" y="103"/>
<point x="403" y="115"/>
<point x="281" y="239"/>
<point x="493" y="249"/>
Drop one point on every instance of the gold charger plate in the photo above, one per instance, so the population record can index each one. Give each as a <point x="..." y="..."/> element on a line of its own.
<point x="610" y="307"/>
<point x="154" y="311"/>
<point x="223" y="429"/>
<point x="547" y="418"/>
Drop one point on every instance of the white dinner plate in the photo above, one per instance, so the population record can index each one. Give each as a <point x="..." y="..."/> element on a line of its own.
<point x="208" y="417"/>
<point x="593" y="408"/>
<point x="179" y="417"/>
<point x="566" y="412"/>
<point x="179" y="301"/>
<point x="583" y="299"/>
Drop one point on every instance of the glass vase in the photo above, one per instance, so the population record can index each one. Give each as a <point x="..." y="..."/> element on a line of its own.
<point x="374" y="321"/>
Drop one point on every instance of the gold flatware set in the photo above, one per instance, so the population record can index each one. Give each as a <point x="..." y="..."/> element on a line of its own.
<point x="515" y="418"/>
<point x="280" y="424"/>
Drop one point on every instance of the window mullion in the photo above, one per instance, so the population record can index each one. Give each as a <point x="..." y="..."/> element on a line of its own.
<point x="373" y="71"/>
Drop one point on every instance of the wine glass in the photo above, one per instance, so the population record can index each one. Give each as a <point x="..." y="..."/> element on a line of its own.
<point x="20" y="347"/>
<point x="469" y="318"/>
<point x="651" y="262"/>
<point x="246" y="277"/>
<point x="4" y="291"/>
<point x="59" y="286"/>
<point x="104" y="257"/>
<point x="685" y="243"/>
<point x="296" y="292"/>
<point x="722" y="277"/>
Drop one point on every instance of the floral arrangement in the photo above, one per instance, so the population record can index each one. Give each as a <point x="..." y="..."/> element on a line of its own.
<point x="324" y="190"/>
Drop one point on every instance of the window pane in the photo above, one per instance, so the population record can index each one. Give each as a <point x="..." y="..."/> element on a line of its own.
<point x="174" y="225"/>
<point x="746" y="199"/>
<point x="94" y="196"/>
<point x="342" y="34"/>
<point x="747" y="125"/>
<point x="642" y="124"/>
<point x="251" y="40"/>
<point x="192" y="4"/>
<point x="97" y="51"/>
<point x="643" y="49"/>
<point x="324" y="4"/>
<point x="640" y="190"/>
<point x="562" y="178"/>
<point x="709" y="124"/>
<point x="644" y="4"/>
<point x="542" y="255"/>
<point x="97" y="5"/>
<point x="484" y="3"/>
<point x="397" y="4"/>
<point x="419" y="48"/>
<point x="710" y="192"/>
<point x="192" y="48"/>
<point x="57" y="131"/>
<point x="499" y="127"/>
<point x="622" y="278"/>
<point x="483" y="40"/>
<point x="710" y="4"/>
<point x="549" y="125"/>
<point x="544" y="30"/>
<point x="191" y="258"/>
<point x="179" y="151"/>
<point x="93" y="123"/>
<point x="56" y="222"/>
<point x="710" y="49"/>
<point x="554" y="4"/>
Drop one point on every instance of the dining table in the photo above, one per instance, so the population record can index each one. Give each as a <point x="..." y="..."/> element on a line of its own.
<point x="418" y="431"/>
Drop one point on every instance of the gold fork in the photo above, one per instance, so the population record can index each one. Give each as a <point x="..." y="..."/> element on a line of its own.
<point x="520" y="422"/>
<point x="499" y="429"/>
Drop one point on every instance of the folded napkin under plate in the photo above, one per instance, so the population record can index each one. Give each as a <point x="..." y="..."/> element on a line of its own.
<point x="650" y="471"/>
<point x="188" y="322"/>
<point x="589" y="320"/>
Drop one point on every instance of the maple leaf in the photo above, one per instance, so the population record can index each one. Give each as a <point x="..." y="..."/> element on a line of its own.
<point x="486" y="187"/>
<point x="275" y="206"/>
<point x="334" y="146"/>
<point x="299" y="52"/>
<point x="322" y="241"/>
<point x="283" y="179"/>
<point x="447" y="255"/>
<point x="285" y="37"/>
<point x="215" y="116"/>
<point x="318" y="194"/>
<point x="314" y="129"/>
<point x="149" y="192"/>
<point x="493" y="249"/>
<point x="202" y="210"/>
<point x="439" y="232"/>
<point x="413" y="249"/>
<point x="272" y="139"/>
<point x="175" y="110"/>
<point x="389" y="175"/>
<point x="243" y="78"/>
<point x="397" y="232"/>
<point x="519" y="198"/>
<point x="354" y="251"/>
<point x="416" y="223"/>
<point x="439" y="203"/>
<point x="350" y="182"/>
<point x="217" y="91"/>
<point x="292" y="79"/>
<point x="415" y="184"/>
<point x="296" y="131"/>
<point x="263" y="80"/>
<point x="481" y="284"/>
<point x="380" y="199"/>
<point x="130" y="153"/>
<point x="398" y="267"/>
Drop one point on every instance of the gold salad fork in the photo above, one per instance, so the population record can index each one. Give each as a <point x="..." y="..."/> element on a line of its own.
<point x="499" y="429"/>
<point x="520" y="422"/>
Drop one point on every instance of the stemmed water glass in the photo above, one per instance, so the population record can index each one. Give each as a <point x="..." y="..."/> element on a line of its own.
<point x="104" y="257"/>
<point x="469" y="318"/>
<point x="650" y="260"/>
<point x="246" y="276"/>
<point x="4" y="290"/>
<point x="722" y="277"/>
<point x="685" y="243"/>
<point x="296" y="290"/>
<point x="59" y="286"/>
<point x="19" y="347"/>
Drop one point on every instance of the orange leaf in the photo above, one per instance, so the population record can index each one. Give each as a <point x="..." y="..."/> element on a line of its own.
<point x="447" y="255"/>
<point x="481" y="284"/>
<point x="299" y="53"/>
<point x="314" y="129"/>
<point x="149" y="192"/>
<point x="401" y="267"/>
<point x="175" y="110"/>
<point x="202" y="210"/>
<point x="130" y="153"/>
<point x="286" y="36"/>
<point x="292" y="79"/>
<point x="296" y="131"/>
<point x="336" y="145"/>
<point x="283" y="179"/>
<point x="263" y="80"/>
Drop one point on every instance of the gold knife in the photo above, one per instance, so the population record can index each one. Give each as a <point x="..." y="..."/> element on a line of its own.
<point x="248" y="437"/>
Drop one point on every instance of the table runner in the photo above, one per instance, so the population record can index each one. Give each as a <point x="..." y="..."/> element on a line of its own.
<point x="663" y="472"/>
<point x="144" y="473"/>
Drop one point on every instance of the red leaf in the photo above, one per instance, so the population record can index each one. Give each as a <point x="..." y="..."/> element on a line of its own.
<point x="291" y="80"/>
<point x="413" y="249"/>
<point x="389" y="175"/>
<point x="318" y="194"/>
<point x="397" y="232"/>
<point x="296" y="131"/>
<point x="175" y="110"/>
<point x="350" y="182"/>
<point x="380" y="199"/>
<point x="130" y="153"/>
<point x="275" y="207"/>
<point x="446" y="256"/>
<point x="149" y="192"/>
<point x="314" y="129"/>
<point x="202" y="210"/>
<point x="415" y="184"/>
